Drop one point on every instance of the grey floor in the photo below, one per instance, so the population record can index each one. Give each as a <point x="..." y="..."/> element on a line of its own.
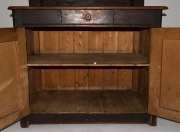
<point x="163" y="126"/>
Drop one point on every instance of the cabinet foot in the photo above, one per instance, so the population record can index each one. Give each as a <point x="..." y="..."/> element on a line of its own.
<point x="24" y="122"/>
<point x="152" y="120"/>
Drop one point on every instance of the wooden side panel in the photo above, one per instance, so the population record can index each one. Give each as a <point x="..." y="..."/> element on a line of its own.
<point x="33" y="47"/>
<point x="24" y="86"/>
<point x="141" y="75"/>
<point x="13" y="77"/>
<point x="164" y="74"/>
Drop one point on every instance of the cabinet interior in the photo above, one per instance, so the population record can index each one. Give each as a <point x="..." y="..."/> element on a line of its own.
<point x="88" y="71"/>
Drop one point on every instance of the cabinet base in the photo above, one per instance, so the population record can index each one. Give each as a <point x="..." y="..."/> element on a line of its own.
<point x="140" y="118"/>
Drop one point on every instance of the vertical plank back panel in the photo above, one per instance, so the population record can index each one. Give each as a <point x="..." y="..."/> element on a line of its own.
<point x="95" y="42"/>
<point x="81" y="40"/>
<point x="95" y="46"/>
<point x="79" y="78"/>
<point x="66" y="44"/>
<point x="126" y="45"/>
<point x="110" y="44"/>
<point x="49" y="43"/>
<point x="125" y="42"/>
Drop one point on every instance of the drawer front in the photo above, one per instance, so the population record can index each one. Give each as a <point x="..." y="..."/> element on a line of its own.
<point x="87" y="16"/>
<point x="37" y="17"/>
<point x="138" y="18"/>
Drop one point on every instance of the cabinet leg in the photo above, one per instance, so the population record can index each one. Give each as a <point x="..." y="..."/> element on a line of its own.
<point x="152" y="120"/>
<point x="24" y="122"/>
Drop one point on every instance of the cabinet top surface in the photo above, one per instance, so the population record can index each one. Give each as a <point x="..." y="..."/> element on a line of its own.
<point x="88" y="7"/>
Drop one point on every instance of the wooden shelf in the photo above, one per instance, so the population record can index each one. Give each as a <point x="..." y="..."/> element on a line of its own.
<point x="88" y="59"/>
<point x="88" y="102"/>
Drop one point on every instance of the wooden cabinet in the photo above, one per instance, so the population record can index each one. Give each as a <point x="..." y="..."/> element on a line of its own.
<point x="70" y="67"/>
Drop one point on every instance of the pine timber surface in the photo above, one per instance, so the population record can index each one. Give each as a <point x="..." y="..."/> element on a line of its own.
<point x="87" y="102"/>
<point x="84" y="59"/>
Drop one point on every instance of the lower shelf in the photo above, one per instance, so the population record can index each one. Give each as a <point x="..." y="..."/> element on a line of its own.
<point x="88" y="102"/>
<point x="88" y="106"/>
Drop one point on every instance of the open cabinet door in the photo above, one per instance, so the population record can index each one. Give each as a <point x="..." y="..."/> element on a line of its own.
<point x="14" y="102"/>
<point x="164" y="89"/>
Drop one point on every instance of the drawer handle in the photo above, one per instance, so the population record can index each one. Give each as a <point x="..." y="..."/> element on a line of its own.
<point x="88" y="17"/>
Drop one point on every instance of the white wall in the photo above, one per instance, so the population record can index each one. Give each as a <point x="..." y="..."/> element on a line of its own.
<point x="171" y="20"/>
<point x="5" y="19"/>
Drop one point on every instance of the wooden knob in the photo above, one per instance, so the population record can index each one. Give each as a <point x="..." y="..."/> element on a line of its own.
<point x="88" y="17"/>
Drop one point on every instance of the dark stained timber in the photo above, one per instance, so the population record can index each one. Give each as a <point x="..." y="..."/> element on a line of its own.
<point x="87" y="16"/>
<point x="86" y="3"/>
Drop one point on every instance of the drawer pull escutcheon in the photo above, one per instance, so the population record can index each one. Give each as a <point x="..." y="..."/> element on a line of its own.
<point x="88" y="17"/>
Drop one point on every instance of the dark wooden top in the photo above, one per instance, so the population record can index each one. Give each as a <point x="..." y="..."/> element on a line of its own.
<point x="89" y="8"/>
<point x="86" y="2"/>
<point x="108" y="16"/>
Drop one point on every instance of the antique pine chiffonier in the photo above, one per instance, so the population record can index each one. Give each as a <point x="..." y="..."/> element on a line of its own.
<point x="95" y="61"/>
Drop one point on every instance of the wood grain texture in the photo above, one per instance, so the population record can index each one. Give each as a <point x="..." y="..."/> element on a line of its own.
<point x="8" y="35"/>
<point x="10" y="119"/>
<point x="87" y="46"/>
<point x="66" y="45"/>
<point x="9" y="79"/>
<point x="81" y="59"/>
<point x="157" y="73"/>
<point x="24" y="85"/>
<point x="49" y="43"/>
<point x="66" y="42"/>
<point x="13" y="79"/>
<point x="33" y="47"/>
<point x="87" y="102"/>
<point x="170" y="75"/>
<point x="87" y="16"/>
<point x="50" y="79"/>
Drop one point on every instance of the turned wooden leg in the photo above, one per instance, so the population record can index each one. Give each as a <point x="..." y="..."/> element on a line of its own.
<point x="152" y="120"/>
<point x="24" y="122"/>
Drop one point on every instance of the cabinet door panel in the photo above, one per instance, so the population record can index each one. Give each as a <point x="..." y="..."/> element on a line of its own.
<point x="170" y="75"/>
<point x="164" y="100"/>
<point x="12" y="106"/>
